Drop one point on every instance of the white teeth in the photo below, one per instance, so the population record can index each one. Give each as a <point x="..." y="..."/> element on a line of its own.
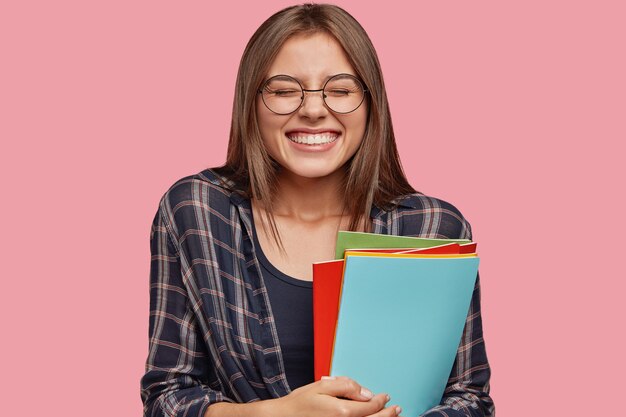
<point x="318" y="139"/>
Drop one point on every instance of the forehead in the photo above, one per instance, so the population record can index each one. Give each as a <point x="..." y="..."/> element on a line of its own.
<point x="311" y="59"/>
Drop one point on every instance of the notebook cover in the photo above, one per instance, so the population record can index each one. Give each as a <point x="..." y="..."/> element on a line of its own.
<point x="326" y="289"/>
<point x="400" y="323"/>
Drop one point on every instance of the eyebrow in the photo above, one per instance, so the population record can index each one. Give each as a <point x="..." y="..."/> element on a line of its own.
<point x="284" y="76"/>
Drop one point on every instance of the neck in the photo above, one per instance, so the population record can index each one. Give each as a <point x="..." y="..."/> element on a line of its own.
<point x="309" y="199"/>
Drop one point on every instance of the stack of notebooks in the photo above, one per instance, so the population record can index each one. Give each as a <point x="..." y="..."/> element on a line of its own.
<point x="389" y="312"/>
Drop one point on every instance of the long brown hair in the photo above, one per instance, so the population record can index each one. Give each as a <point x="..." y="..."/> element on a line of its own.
<point x="374" y="174"/>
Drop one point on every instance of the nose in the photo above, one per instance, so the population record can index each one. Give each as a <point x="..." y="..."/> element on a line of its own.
<point x="313" y="105"/>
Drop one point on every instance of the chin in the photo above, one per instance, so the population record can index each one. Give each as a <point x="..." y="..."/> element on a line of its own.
<point x="312" y="172"/>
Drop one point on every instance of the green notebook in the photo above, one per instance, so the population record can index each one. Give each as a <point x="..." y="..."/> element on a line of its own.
<point x="361" y="240"/>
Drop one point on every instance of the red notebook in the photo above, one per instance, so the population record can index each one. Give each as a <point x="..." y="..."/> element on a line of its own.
<point x="449" y="248"/>
<point x="327" y="277"/>
<point x="468" y="247"/>
<point x="326" y="290"/>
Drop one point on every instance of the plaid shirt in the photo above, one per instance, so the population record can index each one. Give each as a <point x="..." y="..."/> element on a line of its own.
<point x="212" y="333"/>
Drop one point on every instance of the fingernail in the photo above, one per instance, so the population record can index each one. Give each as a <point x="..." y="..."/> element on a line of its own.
<point x="328" y="377"/>
<point x="366" y="393"/>
<point x="388" y="398"/>
<point x="398" y="410"/>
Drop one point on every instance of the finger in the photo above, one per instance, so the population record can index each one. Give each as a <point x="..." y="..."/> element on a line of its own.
<point x="344" y="387"/>
<point x="391" y="411"/>
<point x="365" y="408"/>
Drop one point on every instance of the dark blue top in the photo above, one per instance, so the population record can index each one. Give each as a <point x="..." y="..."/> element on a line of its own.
<point x="291" y="300"/>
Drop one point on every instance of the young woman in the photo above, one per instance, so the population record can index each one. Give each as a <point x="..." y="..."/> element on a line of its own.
<point x="311" y="152"/>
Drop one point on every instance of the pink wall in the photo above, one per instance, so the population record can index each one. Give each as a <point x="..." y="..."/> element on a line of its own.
<point x="518" y="109"/>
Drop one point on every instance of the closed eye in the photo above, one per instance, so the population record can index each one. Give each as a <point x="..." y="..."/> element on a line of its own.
<point x="339" y="92"/>
<point x="284" y="93"/>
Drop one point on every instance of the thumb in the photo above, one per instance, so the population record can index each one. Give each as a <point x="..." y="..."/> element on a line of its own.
<point x="344" y="387"/>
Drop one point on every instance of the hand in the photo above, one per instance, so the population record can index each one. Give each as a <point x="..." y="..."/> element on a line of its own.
<point x="335" y="397"/>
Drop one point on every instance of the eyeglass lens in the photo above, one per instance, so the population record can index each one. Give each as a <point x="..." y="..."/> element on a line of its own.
<point x="343" y="93"/>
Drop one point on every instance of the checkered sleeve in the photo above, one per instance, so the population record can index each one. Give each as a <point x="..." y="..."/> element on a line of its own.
<point x="467" y="390"/>
<point x="176" y="381"/>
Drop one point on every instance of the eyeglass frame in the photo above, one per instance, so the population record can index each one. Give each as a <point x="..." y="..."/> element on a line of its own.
<point x="304" y="91"/>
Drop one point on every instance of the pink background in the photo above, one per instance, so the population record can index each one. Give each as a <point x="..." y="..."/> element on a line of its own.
<point x="515" y="113"/>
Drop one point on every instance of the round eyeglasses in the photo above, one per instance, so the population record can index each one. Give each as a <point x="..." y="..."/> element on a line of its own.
<point x="283" y="94"/>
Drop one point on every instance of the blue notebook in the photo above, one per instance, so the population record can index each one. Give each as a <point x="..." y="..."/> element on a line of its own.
<point x="400" y="324"/>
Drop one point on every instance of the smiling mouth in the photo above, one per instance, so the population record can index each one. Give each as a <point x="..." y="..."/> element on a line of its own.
<point x="317" y="139"/>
